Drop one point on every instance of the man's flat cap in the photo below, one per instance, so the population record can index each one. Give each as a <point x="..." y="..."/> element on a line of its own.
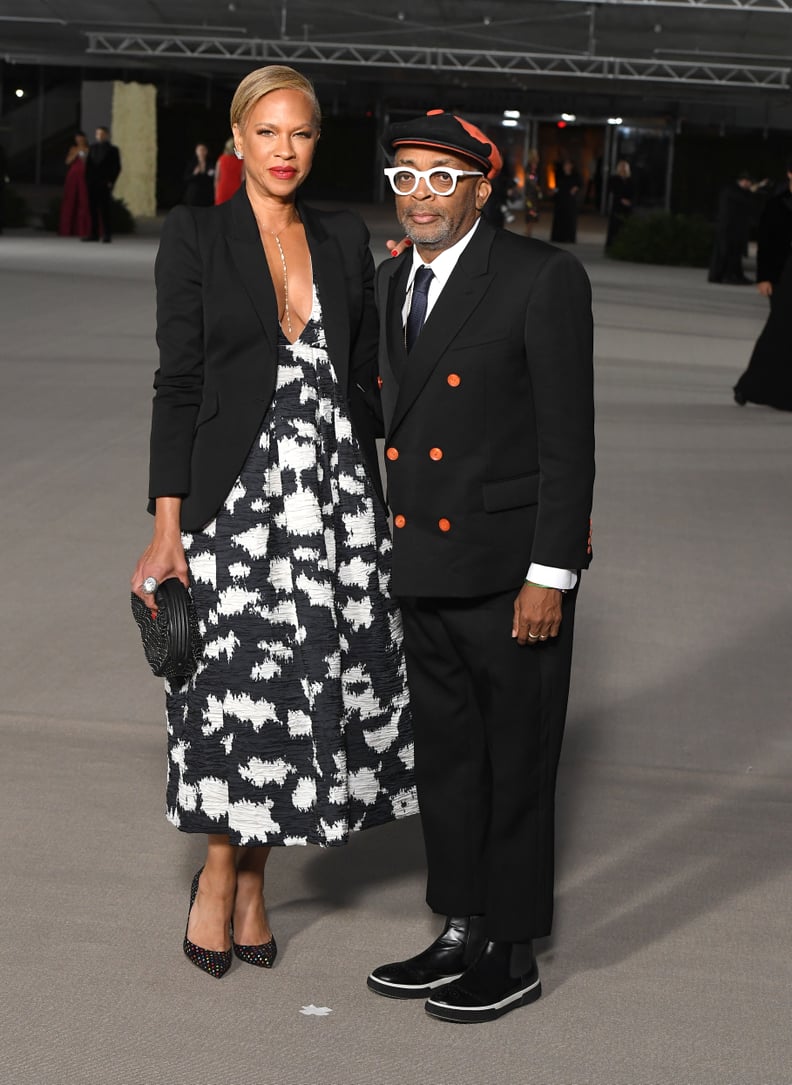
<point x="446" y="132"/>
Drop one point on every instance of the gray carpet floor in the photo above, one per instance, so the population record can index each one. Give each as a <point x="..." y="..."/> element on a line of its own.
<point x="671" y="961"/>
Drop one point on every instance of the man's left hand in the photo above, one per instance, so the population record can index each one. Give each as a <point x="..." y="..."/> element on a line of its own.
<point x="537" y="614"/>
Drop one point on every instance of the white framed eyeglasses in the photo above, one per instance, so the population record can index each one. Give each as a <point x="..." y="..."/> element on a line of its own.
<point x="442" y="180"/>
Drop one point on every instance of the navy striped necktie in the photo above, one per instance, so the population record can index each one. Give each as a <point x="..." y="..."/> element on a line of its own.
<point x="418" y="304"/>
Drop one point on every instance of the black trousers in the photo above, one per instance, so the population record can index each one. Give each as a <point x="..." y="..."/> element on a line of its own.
<point x="488" y="718"/>
<point x="99" y="195"/>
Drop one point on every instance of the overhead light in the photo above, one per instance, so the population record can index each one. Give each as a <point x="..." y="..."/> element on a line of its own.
<point x="19" y="92"/>
<point x="614" y="120"/>
<point x="509" y="122"/>
<point x="513" y="114"/>
<point x="568" y="117"/>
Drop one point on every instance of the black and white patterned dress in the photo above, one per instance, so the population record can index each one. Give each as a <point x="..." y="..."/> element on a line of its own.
<point x="296" y="727"/>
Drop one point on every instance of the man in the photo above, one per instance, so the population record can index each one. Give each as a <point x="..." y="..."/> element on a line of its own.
<point x="736" y="206"/>
<point x="102" y="168"/>
<point x="486" y="387"/>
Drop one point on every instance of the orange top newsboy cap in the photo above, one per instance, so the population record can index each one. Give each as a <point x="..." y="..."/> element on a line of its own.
<point x="446" y="132"/>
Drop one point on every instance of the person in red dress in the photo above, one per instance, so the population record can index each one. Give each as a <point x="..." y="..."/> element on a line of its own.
<point x="75" y="214"/>
<point x="229" y="173"/>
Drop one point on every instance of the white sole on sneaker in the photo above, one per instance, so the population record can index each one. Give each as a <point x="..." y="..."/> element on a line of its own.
<point x="407" y="990"/>
<point x="447" y="1012"/>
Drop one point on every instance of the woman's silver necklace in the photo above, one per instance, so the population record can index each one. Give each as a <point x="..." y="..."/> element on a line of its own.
<point x="286" y="313"/>
<point x="286" y="310"/>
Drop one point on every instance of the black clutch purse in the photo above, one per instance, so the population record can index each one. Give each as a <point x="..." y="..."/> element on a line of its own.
<point x="172" y="640"/>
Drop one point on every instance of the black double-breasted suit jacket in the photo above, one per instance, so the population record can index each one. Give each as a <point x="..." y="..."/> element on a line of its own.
<point x="489" y="419"/>
<point x="217" y="332"/>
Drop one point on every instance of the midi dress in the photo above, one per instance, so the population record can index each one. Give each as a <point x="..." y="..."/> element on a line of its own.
<point x="296" y="727"/>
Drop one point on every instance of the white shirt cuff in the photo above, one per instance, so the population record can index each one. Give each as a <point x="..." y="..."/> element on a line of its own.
<point x="548" y="577"/>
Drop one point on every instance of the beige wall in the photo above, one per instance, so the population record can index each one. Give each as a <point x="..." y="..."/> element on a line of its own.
<point x="134" y="132"/>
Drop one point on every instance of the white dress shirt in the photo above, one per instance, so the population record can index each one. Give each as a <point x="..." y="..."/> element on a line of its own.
<point x="442" y="266"/>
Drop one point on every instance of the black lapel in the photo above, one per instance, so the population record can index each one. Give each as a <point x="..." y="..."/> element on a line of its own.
<point x="462" y="293"/>
<point x="391" y="283"/>
<point x="394" y="325"/>
<point x="328" y="269"/>
<point x="248" y="255"/>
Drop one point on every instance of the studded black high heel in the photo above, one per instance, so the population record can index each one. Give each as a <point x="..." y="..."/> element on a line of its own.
<point x="263" y="956"/>
<point x="212" y="961"/>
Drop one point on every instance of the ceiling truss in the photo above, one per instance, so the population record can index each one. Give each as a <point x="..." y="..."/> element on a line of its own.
<point x="772" y="7"/>
<point x="260" y="50"/>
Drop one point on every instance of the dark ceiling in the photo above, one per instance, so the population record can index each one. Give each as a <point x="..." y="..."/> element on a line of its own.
<point x="671" y="56"/>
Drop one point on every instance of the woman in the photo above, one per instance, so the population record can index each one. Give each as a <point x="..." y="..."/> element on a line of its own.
<point x="565" y="210"/>
<point x="75" y="214"/>
<point x="199" y="179"/>
<point x="267" y="497"/>
<point x="768" y="378"/>
<point x="229" y="173"/>
<point x="621" y="192"/>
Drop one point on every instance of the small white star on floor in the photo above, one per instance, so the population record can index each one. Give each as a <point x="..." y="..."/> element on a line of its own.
<point x="316" y="1011"/>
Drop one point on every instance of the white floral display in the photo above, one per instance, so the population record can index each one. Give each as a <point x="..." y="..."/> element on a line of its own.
<point x="134" y="132"/>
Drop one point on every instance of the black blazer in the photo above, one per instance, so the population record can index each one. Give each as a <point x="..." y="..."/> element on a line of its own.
<point x="217" y="331"/>
<point x="490" y="419"/>
<point x="103" y="164"/>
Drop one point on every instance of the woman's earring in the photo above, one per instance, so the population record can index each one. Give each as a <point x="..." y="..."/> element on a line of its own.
<point x="238" y="153"/>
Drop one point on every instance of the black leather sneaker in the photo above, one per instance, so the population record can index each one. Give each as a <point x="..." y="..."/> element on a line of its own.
<point x="443" y="961"/>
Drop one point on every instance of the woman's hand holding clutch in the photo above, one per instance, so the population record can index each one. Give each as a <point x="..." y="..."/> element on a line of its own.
<point x="164" y="556"/>
<point x="161" y="561"/>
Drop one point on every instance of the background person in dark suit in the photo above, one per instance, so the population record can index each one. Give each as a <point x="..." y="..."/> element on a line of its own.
<point x="102" y="168"/>
<point x="489" y="449"/>
<point x="736" y="207"/>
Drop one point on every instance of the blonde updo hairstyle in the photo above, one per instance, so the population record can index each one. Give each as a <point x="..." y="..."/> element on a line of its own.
<point x="264" y="81"/>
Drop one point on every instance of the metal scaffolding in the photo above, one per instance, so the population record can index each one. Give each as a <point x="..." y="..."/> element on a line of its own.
<point x="773" y="7"/>
<point x="265" y="51"/>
